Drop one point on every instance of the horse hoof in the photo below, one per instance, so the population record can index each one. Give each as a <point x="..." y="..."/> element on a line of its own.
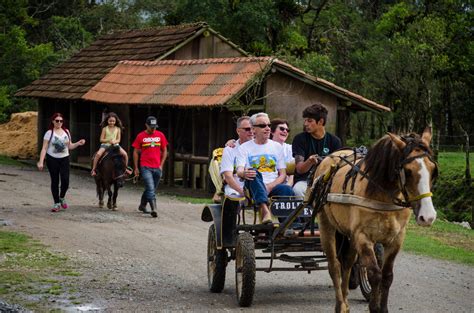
<point x="101" y="204"/>
<point x="114" y="208"/>
<point x="154" y="214"/>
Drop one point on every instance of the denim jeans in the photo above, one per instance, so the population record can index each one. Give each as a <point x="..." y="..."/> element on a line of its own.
<point x="151" y="179"/>
<point x="259" y="192"/>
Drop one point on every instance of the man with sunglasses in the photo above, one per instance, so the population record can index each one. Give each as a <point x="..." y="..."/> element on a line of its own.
<point x="261" y="163"/>
<point x="234" y="184"/>
<point x="312" y="144"/>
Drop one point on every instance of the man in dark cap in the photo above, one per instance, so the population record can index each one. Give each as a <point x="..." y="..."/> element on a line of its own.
<point x="150" y="147"/>
<point x="312" y="144"/>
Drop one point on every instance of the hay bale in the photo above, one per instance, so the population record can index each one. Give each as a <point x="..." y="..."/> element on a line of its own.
<point x="18" y="136"/>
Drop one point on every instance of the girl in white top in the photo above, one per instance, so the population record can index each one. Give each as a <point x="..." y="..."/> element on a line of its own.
<point x="279" y="133"/>
<point x="56" y="146"/>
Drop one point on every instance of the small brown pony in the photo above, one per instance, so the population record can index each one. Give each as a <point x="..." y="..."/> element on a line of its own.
<point x="110" y="172"/>
<point x="396" y="174"/>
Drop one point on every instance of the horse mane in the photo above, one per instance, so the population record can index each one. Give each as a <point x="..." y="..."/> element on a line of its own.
<point x="383" y="160"/>
<point x="117" y="159"/>
<point x="113" y="161"/>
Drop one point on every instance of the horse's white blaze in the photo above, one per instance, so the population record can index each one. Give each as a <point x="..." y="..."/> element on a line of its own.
<point x="427" y="214"/>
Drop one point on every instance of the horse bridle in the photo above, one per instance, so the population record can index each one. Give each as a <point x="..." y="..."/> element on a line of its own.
<point x="402" y="181"/>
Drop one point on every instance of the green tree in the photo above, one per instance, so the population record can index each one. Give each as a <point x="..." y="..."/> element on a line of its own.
<point x="21" y="64"/>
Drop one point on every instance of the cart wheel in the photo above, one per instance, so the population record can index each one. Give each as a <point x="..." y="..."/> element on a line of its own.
<point x="365" y="287"/>
<point x="245" y="269"/>
<point x="216" y="262"/>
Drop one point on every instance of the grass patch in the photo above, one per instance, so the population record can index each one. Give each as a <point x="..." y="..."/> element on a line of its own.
<point x="193" y="200"/>
<point x="28" y="269"/>
<point x="188" y="199"/>
<point x="4" y="160"/>
<point x="452" y="197"/>
<point x="443" y="240"/>
<point x="454" y="163"/>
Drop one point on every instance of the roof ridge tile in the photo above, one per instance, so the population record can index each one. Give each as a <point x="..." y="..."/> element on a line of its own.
<point x="199" y="61"/>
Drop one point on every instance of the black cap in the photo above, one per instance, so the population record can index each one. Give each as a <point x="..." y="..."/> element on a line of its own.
<point x="152" y="122"/>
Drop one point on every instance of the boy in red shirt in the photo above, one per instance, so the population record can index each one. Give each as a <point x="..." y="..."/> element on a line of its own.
<point x="150" y="147"/>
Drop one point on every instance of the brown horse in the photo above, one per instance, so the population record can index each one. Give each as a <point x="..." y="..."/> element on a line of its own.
<point x="110" y="172"/>
<point x="394" y="178"/>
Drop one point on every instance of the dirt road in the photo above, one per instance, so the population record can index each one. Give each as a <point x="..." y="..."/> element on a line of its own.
<point x="131" y="262"/>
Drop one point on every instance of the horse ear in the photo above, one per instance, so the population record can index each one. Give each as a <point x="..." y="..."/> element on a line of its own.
<point x="426" y="137"/>
<point x="397" y="141"/>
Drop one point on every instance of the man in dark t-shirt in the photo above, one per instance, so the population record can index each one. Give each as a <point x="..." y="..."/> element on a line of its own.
<point x="310" y="144"/>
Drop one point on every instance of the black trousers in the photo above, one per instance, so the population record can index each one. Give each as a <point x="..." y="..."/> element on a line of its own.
<point x="58" y="168"/>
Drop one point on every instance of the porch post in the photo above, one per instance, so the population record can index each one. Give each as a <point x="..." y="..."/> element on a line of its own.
<point x="73" y="128"/>
<point x="170" y="163"/>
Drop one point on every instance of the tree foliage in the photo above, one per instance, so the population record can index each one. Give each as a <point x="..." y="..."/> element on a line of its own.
<point x="414" y="56"/>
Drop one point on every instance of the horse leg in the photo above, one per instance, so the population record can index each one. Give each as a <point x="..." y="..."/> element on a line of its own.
<point x="328" y="242"/>
<point x="347" y="261"/>
<point x="390" y="253"/>
<point x="114" y="200"/>
<point x="100" y="193"/>
<point x="367" y="259"/>
<point x="109" y="200"/>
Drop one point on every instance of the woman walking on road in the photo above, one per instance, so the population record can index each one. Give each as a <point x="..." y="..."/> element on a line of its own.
<point x="56" y="145"/>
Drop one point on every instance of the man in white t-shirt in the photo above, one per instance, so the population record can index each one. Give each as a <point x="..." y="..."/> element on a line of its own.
<point x="234" y="184"/>
<point x="261" y="163"/>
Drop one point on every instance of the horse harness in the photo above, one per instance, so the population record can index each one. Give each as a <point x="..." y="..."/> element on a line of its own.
<point x="320" y="189"/>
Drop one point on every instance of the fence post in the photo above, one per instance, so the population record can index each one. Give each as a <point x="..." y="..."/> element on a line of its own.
<point x="468" y="167"/>
<point x="468" y="177"/>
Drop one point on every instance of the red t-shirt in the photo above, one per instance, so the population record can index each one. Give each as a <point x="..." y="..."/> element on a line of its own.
<point x="151" y="146"/>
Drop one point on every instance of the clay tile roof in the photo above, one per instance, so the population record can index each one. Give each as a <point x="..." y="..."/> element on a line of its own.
<point x="197" y="83"/>
<point x="201" y="82"/>
<point x="73" y="78"/>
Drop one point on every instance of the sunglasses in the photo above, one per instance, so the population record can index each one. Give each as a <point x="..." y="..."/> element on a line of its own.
<point x="283" y="128"/>
<point x="247" y="129"/>
<point x="262" y="125"/>
<point x="58" y="121"/>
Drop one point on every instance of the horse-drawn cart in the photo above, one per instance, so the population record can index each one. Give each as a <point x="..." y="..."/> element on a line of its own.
<point x="292" y="239"/>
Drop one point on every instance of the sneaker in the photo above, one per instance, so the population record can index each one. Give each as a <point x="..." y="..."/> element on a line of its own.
<point x="56" y="207"/>
<point x="63" y="203"/>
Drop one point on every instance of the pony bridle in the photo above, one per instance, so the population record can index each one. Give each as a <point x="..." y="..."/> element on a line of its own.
<point x="402" y="181"/>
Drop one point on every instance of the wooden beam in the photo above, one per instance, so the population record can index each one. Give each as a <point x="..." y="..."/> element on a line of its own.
<point x="191" y="158"/>
<point x="171" y="155"/>
<point x="211" y="146"/>
<point x="41" y="124"/>
<point x="234" y="108"/>
<point x="92" y="134"/>
<point x="73" y="128"/>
